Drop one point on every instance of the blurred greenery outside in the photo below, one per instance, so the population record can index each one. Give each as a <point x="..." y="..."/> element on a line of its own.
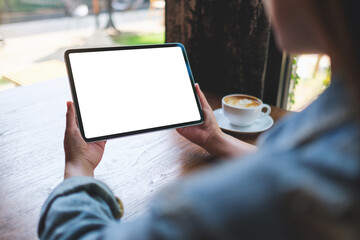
<point x="5" y="85"/>
<point x="33" y="5"/>
<point x="2" y="81"/>
<point x="29" y="5"/>
<point x="137" y="39"/>
<point x="310" y="76"/>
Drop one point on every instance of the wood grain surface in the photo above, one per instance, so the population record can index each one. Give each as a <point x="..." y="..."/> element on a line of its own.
<point x="32" y="122"/>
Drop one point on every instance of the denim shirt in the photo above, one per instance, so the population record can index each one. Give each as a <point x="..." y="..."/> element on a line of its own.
<point x="303" y="182"/>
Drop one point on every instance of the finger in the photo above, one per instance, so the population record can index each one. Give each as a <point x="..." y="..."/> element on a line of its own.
<point x="70" y="116"/>
<point x="203" y="101"/>
<point x="101" y="144"/>
<point x="179" y="130"/>
<point x="76" y="120"/>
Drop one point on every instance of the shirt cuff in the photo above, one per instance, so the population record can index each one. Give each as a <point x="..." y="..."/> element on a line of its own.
<point x="76" y="184"/>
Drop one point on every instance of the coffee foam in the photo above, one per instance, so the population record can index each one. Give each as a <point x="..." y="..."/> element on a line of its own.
<point x="243" y="102"/>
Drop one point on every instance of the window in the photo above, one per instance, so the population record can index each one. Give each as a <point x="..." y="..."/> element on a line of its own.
<point x="35" y="33"/>
<point x="310" y="76"/>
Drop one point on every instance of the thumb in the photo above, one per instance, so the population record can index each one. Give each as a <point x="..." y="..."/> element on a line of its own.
<point x="70" y="116"/>
<point x="203" y="101"/>
<point x="179" y="130"/>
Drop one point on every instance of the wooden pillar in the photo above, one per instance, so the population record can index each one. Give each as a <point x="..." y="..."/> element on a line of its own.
<point x="226" y="41"/>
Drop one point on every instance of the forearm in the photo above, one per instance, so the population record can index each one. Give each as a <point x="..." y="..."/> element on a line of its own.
<point x="225" y="146"/>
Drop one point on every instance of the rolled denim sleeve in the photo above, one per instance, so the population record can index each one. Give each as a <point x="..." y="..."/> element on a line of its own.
<point x="79" y="208"/>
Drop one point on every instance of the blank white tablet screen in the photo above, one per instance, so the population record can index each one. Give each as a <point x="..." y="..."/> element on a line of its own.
<point x="128" y="90"/>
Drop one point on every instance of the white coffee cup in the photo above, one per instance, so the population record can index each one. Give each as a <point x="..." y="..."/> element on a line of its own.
<point x="243" y="110"/>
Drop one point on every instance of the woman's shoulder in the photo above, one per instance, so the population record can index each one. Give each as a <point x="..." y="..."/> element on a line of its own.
<point x="331" y="115"/>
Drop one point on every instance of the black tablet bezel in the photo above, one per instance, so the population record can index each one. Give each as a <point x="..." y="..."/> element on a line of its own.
<point x="106" y="137"/>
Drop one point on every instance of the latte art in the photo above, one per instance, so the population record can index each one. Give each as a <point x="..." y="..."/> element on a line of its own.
<point x="242" y="102"/>
<point x="242" y="110"/>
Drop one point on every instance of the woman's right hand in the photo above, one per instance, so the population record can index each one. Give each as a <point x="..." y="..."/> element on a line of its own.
<point x="202" y="134"/>
<point x="209" y="136"/>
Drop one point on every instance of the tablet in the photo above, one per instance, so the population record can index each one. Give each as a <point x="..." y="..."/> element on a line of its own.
<point x="119" y="91"/>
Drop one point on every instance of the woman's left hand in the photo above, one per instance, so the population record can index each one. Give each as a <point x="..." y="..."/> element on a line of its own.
<point x="81" y="158"/>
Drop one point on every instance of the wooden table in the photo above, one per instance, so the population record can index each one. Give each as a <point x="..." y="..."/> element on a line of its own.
<point x="32" y="123"/>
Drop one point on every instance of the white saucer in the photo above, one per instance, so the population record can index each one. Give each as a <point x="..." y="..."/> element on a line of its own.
<point x="260" y="125"/>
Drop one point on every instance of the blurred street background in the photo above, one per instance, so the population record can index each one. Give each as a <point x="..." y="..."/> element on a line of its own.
<point x="34" y="36"/>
